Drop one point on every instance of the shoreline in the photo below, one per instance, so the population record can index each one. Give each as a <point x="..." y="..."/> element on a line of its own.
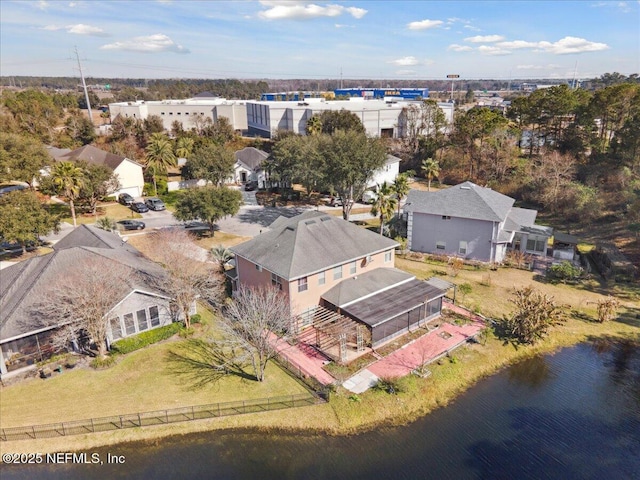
<point x="342" y="416"/>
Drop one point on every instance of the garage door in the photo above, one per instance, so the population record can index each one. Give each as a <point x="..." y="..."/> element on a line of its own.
<point x="133" y="191"/>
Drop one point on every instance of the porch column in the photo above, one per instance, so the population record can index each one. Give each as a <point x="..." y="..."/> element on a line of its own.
<point x="3" y="366"/>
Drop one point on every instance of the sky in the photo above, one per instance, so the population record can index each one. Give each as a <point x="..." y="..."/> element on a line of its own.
<point x="351" y="39"/>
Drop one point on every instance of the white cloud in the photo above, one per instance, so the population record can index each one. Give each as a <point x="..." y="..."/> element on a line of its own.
<point x="43" y="5"/>
<point x="81" y="29"/>
<point x="291" y="10"/>
<point x="516" y="44"/>
<point x="424" y="24"/>
<point x="484" y="39"/>
<point x="149" y="44"/>
<point x="342" y="25"/>
<point x="569" y="45"/>
<point x="492" y="50"/>
<point x="52" y="28"/>
<point x="459" y="48"/>
<point x="405" y="61"/>
<point x="472" y="28"/>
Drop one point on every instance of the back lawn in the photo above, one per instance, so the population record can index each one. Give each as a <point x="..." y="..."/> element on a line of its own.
<point x="140" y="381"/>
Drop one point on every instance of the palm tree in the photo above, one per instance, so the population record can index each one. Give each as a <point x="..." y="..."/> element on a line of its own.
<point x="384" y="205"/>
<point x="221" y="255"/>
<point x="160" y="156"/>
<point x="68" y="179"/>
<point x="431" y="169"/>
<point x="106" y="223"/>
<point x="314" y="126"/>
<point x="184" y="147"/>
<point x="400" y="188"/>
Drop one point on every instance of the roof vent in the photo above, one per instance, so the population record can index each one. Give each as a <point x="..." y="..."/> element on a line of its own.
<point x="291" y="228"/>
<point x="325" y="219"/>
<point x="309" y="222"/>
<point x="464" y="187"/>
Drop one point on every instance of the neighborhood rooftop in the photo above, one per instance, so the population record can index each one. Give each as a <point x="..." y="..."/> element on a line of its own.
<point x="309" y="243"/>
<point x="466" y="200"/>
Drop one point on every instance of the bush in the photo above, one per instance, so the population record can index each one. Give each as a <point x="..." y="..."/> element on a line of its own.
<point x="388" y="385"/>
<point x="195" y="318"/>
<point x="130" y="344"/>
<point x="106" y="362"/>
<point x="565" y="271"/>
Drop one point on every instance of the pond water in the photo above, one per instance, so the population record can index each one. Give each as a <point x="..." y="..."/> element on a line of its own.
<point x="575" y="414"/>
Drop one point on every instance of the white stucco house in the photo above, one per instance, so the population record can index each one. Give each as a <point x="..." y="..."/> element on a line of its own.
<point x="248" y="166"/>
<point x="129" y="172"/>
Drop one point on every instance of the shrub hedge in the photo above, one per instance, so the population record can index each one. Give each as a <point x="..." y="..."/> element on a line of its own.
<point x="130" y="344"/>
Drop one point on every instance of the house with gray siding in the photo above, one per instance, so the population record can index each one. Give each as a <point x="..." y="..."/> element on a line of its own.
<point x="26" y="335"/>
<point x="472" y="222"/>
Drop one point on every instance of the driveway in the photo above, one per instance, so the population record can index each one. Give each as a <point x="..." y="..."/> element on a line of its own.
<point x="252" y="220"/>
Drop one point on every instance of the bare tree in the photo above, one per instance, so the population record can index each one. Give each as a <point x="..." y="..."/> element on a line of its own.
<point x="80" y="304"/>
<point x="188" y="275"/>
<point x="255" y="323"/>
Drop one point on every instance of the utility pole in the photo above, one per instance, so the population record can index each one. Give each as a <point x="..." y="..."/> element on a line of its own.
<point x="84" y="86"/>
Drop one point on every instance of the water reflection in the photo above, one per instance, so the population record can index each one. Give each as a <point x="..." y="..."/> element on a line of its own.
<point x="533" y="372"/>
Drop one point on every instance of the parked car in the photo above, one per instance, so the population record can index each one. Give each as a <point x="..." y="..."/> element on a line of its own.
<point x="125" y="199"/>
<point x="131" y="224"/>
<point x="336" y="202"/>
<point x="6" y="188"/>
<point x="15" y="249"/>
<point x="139" y="207"/>
<point x="155" y="204"/>
<point x="198" y="228"/>
<point x="369" y="196"/>
<point x="250" y="186"/>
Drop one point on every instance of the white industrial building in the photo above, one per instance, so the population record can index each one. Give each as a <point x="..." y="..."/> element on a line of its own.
<point x="185" y="111"/>
<point x="380" y="117"/>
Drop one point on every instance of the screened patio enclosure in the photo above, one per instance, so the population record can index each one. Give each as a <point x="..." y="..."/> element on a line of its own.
<point x="389" y="302"/>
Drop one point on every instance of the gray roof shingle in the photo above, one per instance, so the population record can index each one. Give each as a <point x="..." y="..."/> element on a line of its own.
<point x="251" y="157"/>
<point x="309" y="243"/>
<point x="466" y="200"/>
<point x="369" y="283"/>
<point x="26" y="283"/>
<point x="93" y="155"/>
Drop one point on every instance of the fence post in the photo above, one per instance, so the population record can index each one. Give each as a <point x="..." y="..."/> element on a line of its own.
<point x="139" y="421"/>
<point x="33" y="429"/>
<point x="166" y="415"/>
<point x="93" y="428"/>
<point x="63" y="432"/>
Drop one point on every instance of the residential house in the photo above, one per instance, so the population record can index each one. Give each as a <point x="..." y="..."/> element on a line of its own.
<point x="248" y="166"/>
<point x="387" y="173"/>
<point x="129" y="173"/>
<point x="26" y="337"/>
<point x="334" y="272"/>
<point x="472" y="222"/>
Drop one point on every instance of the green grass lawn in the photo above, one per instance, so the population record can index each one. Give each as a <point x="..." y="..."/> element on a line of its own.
<point x="140" y="381"/>
<point x="112" y="210"/>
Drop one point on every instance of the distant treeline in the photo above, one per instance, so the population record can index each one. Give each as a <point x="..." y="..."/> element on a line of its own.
<point x="145" y="89"/>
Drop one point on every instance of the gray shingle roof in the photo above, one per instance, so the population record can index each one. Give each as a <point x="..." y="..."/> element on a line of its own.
<point x="89" y="236"/>
<point x="369" y="283"/>
<point x="466" y="200"/>
<point x="251" y="157"/>
<point x="309" y="243"/>
<point x="26" y="283"/>
<point x="93" y="155"/>
<point x="520" y="217"/>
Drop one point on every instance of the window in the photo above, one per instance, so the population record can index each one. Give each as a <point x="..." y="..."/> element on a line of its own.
<point x="276" y="281"/>
<point x="321" y="278"/>
<point x="462" y="249"/>
<point x="441" y="245"/>
<point x="352" y="268"/>
<point x="141" y="316"/>
<point x="337" y="273"/>
<point x="535" y="244"/>
<point x="116" y="328"/>
<point x="129" y="325"/>
<point x="446" y="217"/>
<point x="302" y="284"/>
<point x="387" y="256"/>
<point x="155" y="318"/>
